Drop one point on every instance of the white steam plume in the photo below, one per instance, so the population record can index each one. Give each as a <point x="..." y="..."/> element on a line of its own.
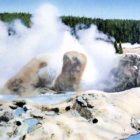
<point x="48" y="35"/>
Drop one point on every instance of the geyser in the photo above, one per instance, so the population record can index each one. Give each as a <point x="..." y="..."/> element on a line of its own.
<point x="49" y="38"/>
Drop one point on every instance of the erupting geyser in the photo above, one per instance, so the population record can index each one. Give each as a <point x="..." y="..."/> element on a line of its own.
<point x="46" y="58"/>
<point x="49" y="39"/>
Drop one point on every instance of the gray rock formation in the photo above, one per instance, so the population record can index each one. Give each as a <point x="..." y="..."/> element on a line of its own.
<point x="73" y="67"/>
<point x="6" y="116"/>
<point x="124" y="75"/>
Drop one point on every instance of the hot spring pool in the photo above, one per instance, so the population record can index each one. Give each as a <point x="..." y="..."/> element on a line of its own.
<point x="41" y="99"/>
<point x="134" y="137"/>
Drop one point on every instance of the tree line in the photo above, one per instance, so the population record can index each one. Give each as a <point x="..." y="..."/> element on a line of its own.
<point x="121" y="30"/>
<point x="9" y="17"/>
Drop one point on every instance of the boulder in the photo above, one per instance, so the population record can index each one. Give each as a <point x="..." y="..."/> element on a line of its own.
<point x="73" y="67"/>
<point x="26" y="79"/>
<point x="6" y="116"/>
<point x="125" y="74"/>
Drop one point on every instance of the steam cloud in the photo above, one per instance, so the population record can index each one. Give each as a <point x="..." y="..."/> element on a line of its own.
<point x="48" y="35"/>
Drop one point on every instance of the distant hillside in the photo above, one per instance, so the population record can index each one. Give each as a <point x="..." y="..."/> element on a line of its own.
<point x="121" y="30"/>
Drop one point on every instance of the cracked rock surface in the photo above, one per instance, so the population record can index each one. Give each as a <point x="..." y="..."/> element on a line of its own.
<point x="84" y="116"/>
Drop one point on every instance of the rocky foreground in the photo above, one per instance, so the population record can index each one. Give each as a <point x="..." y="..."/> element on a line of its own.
<point x="84" y="116"/>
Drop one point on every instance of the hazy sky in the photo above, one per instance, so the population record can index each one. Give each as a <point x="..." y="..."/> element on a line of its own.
<point x="128" y="9"/>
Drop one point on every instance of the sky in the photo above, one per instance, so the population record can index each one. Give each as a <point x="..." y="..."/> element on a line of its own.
<point x="107" y="9"/>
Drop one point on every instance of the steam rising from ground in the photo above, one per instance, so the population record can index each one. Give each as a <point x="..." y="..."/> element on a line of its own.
<point x="48" y="35"/>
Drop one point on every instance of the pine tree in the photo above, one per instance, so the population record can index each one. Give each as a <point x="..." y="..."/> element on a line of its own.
<point x="120" y="48"/>
<point x="116" y="47"/>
